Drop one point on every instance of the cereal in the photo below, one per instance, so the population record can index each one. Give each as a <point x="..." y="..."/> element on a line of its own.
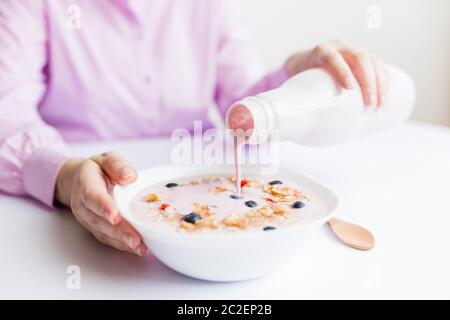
<point x="280" y="209"/>
<point x="187" y="226"/>
<point x="265" y="211"/>
<point x="152" y="197"/>
<point x="203" y="209"/>
<point x="232" y="221"/>
<point x="216" y="206"/>
<point x="282" y="192"/>
<point x="219" y="189"/>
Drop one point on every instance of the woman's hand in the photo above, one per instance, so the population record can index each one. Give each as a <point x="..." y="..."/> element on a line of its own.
<point x="346" y="64"/>
<point x="85" y="186"/>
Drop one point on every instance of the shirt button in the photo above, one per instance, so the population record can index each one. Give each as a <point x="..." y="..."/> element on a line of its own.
<point x="147" y="79"/>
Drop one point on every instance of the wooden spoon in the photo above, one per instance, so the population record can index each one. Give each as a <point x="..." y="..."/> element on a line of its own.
<point x="352" y="235"/>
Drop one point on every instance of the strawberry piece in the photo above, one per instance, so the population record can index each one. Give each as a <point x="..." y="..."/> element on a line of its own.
<point x="244" y="182"/>
<point x="269" y="200"/>
<point x="163" y="206"/>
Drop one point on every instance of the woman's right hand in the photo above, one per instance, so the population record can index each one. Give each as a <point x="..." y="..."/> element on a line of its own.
<point x="85" y="186"/>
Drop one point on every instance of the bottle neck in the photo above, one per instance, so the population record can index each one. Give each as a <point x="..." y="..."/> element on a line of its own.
<point x="263" y="115"/>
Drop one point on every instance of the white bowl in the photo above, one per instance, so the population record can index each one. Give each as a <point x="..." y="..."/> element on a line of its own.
<point x="222" y="256"/>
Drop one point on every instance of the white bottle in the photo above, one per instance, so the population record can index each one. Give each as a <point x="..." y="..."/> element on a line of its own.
<point x="312" y="109"/>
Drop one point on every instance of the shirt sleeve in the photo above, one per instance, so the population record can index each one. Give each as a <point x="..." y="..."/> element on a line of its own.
<point x="239" y="70"/>
<point x="31" y="152"/>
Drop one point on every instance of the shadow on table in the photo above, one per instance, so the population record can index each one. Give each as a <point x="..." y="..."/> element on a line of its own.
<point x="100" y="261"/>
<point x="67" y="243"/>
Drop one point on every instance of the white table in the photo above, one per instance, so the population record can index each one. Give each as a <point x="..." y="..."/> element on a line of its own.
<point x="395" y="183"/>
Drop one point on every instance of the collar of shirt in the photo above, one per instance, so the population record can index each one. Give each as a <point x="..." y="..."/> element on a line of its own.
<point x="133" y="8"/>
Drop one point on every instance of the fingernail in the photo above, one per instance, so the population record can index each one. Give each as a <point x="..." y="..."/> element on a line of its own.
<point x="142" y="250"/>
<point x="349" y="84"/>
<point x="126" y="173"/>
<point x="115" y="218"/>
<point x="112" y="215"/>
<point x="131" y="241"/>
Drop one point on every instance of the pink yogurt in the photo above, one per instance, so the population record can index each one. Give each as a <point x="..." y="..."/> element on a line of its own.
<point x="184" y="195"/>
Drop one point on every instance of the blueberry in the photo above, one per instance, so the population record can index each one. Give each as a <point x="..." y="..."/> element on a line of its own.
<point x="268" y="228"/>
<point x="298" y="205"/>
<point x="251" y="204"/>
<point x="236" y="196"/>
<point x="171" y="185"/>
<point x="192" y="217"/>
<point x="275" y="182"/>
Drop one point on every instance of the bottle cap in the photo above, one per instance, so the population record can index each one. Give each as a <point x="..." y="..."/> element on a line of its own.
<point x="263" y="118"/>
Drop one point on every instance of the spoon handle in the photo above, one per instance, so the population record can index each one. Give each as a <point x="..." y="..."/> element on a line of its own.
<point x="334" y="221"/>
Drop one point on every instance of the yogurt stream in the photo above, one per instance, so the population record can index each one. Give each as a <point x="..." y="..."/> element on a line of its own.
<point x="226" y="203"/>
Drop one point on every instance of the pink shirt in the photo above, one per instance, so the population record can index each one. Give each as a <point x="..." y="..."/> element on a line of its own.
<point x="132" y="69"/>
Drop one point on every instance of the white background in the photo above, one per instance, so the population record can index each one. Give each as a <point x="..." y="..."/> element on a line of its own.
<point x="414" y="34"/>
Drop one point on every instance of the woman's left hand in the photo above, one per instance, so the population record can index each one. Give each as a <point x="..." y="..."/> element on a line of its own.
<point x="347" y="65"/>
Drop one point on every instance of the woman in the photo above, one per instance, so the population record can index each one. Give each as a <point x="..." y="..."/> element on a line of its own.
<point x="127" y="69"/>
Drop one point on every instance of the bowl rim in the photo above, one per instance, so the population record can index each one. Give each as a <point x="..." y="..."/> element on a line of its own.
<point x="119" y="191"/>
